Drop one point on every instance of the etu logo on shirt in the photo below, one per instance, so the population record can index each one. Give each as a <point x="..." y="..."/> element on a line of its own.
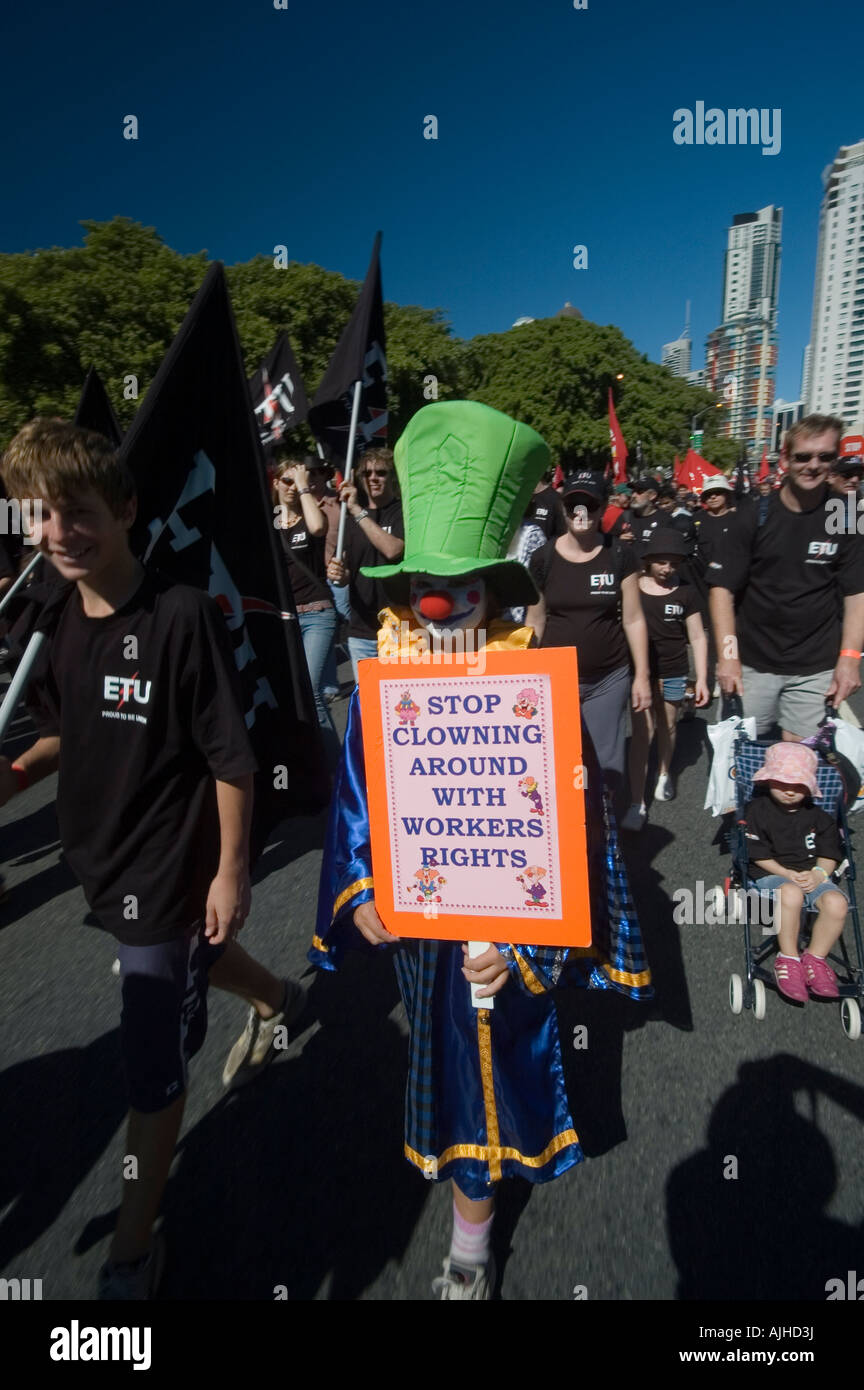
<point x="822" y="548"/>
<point x="810" y="839"/>
<point x="125" y="688"/>
<point x="602" y="581"/>
<point x="673" y="610"/>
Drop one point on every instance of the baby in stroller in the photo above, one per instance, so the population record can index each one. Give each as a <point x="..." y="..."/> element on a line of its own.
<point x="793" y="847"/>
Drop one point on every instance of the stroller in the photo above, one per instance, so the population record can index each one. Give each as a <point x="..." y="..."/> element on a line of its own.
<point x="838" y="782"/>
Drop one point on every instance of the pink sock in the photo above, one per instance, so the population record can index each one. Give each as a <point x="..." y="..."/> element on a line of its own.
<point x="470" y="1244"/>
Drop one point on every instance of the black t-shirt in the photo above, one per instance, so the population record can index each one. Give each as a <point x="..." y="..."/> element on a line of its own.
<point x="143" y="734"/>
<point x="666" y="618"/>
<point x="582" y="605"/>
<point x="723" y="540"/>
<point x="304" y="562"/>
<point x="792" y="574"/>
<point x="642" y="527"/>
<point x="6" y="566"/>
<point x="681" y="520"/>
<point x="367" y="596"/>
<point x="546" y="510"/>
<point x="796" y="839"/>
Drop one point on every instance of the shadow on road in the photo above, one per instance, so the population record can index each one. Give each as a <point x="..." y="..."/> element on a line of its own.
<point x="298" y="1182"/>
<point x="765" y="1234"/>
<point x="294" y="839"/>
<point x="58" y="1113"/>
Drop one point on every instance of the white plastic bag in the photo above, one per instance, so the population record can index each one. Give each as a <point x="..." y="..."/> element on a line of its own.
<point x="720" y="796"/>
<point x="850" y="742"/>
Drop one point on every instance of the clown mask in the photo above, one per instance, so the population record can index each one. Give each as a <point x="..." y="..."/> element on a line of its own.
<point x="448" y="605"/>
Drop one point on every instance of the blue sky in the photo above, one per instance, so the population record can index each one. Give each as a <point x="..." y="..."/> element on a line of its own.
<point x="304" y="126"/>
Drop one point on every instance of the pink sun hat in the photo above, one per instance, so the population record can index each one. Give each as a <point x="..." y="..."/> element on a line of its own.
<point x="793" y="764"/>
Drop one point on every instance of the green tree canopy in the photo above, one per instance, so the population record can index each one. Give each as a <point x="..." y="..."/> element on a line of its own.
<point x="116" y="302"/>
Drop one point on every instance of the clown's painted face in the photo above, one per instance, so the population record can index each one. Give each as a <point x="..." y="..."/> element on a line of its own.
<point x="448" y="605"/>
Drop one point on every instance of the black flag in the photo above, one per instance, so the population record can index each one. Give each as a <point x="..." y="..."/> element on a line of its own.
<point x="360" y="355"/>
<point x="95" y="411"/>
<point x="205" y="518"/>
<point x="742" y="476"/>
<point x="278" y="398"/>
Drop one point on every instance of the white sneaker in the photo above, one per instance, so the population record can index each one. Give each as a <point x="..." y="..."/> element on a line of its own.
<point x="474" y="1282"/>
<point x="634" y="818"/>
<point x="256" y="1045"/>
<point x="665" y="788"/>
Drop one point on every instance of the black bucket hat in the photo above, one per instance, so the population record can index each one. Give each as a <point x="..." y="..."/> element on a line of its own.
<point x="665" y="541"/>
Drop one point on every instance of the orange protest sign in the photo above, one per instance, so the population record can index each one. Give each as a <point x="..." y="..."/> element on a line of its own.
<point x="475" y="782"/>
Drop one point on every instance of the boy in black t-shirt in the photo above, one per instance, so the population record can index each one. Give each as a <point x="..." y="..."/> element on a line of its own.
<point x="793" y="847"/>
<point x="154" y="801"/>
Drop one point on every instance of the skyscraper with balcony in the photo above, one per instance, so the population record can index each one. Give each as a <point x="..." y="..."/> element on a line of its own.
<point x="835" y="386"/>
<point x="741" y="355"/>
<point x="676" y="356"/>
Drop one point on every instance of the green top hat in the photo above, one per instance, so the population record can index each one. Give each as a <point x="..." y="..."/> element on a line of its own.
<point x="466" y="473"/>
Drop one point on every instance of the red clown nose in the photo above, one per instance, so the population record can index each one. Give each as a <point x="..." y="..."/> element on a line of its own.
<point x="436" y="605"/>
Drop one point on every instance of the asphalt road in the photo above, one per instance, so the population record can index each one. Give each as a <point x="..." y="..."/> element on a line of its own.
<point x="298" y="1183"/>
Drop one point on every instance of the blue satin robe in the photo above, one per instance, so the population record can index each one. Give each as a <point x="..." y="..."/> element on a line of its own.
<point x="486" y="1097"/>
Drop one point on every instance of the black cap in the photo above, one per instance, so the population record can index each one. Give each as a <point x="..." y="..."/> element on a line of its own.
<point x="848" y="465"/>
<point x="592" y="484"/>
<point x="664" y="541"/>
<point x="645" y="483"/>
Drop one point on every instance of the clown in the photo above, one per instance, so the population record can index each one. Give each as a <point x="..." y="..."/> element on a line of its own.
<point x="531" y="882"/>
<point x="486" y="1097"/>
<point x="532" y="791"/>
<point x="407" y="709"/>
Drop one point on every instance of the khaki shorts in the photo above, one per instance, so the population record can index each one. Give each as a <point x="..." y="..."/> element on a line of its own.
<point x="796" y="703"/>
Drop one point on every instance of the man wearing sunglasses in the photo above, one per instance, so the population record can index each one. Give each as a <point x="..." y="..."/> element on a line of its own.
<point x="846" y="476"/>
<point x="795" y="636"/>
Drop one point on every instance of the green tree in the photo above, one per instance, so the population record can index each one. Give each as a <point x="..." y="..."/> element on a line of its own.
<point x="555" y="375"/>
<point x="116" y="302"/>
<point x="113" y="303"/>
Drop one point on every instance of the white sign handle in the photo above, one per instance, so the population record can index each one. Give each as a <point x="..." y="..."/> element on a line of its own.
<point x="476" y="948"/>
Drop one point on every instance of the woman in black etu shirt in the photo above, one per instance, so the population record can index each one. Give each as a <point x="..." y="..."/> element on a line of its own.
<point x="590" y="600"/>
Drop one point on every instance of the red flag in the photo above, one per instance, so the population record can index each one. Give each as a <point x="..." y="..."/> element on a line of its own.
<point x="559" y="476"/>
<point x="764" y="466"/>
<point x="694" y="470"/>
<point x="617" y="445"/>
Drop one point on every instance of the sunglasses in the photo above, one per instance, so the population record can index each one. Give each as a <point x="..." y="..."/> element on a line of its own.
<point x="823" y="458"/>
<point x="376" y="473"/>
<point x="590" y="504"/>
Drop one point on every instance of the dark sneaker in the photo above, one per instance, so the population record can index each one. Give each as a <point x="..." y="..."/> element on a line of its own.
<point x="136" y="1282"/>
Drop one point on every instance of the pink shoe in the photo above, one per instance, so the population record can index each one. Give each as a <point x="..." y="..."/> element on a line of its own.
<point x="821" y="979"/>
<point x="790" y="978"/>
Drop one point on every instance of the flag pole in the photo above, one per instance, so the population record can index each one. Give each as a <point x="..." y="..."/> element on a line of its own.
<point x="20" y="580"/>
<point x="19" y="681"/>
<point x="349" y="468"/>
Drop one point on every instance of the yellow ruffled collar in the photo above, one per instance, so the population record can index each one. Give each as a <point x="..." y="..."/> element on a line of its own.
<point x="400" y="634"/>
